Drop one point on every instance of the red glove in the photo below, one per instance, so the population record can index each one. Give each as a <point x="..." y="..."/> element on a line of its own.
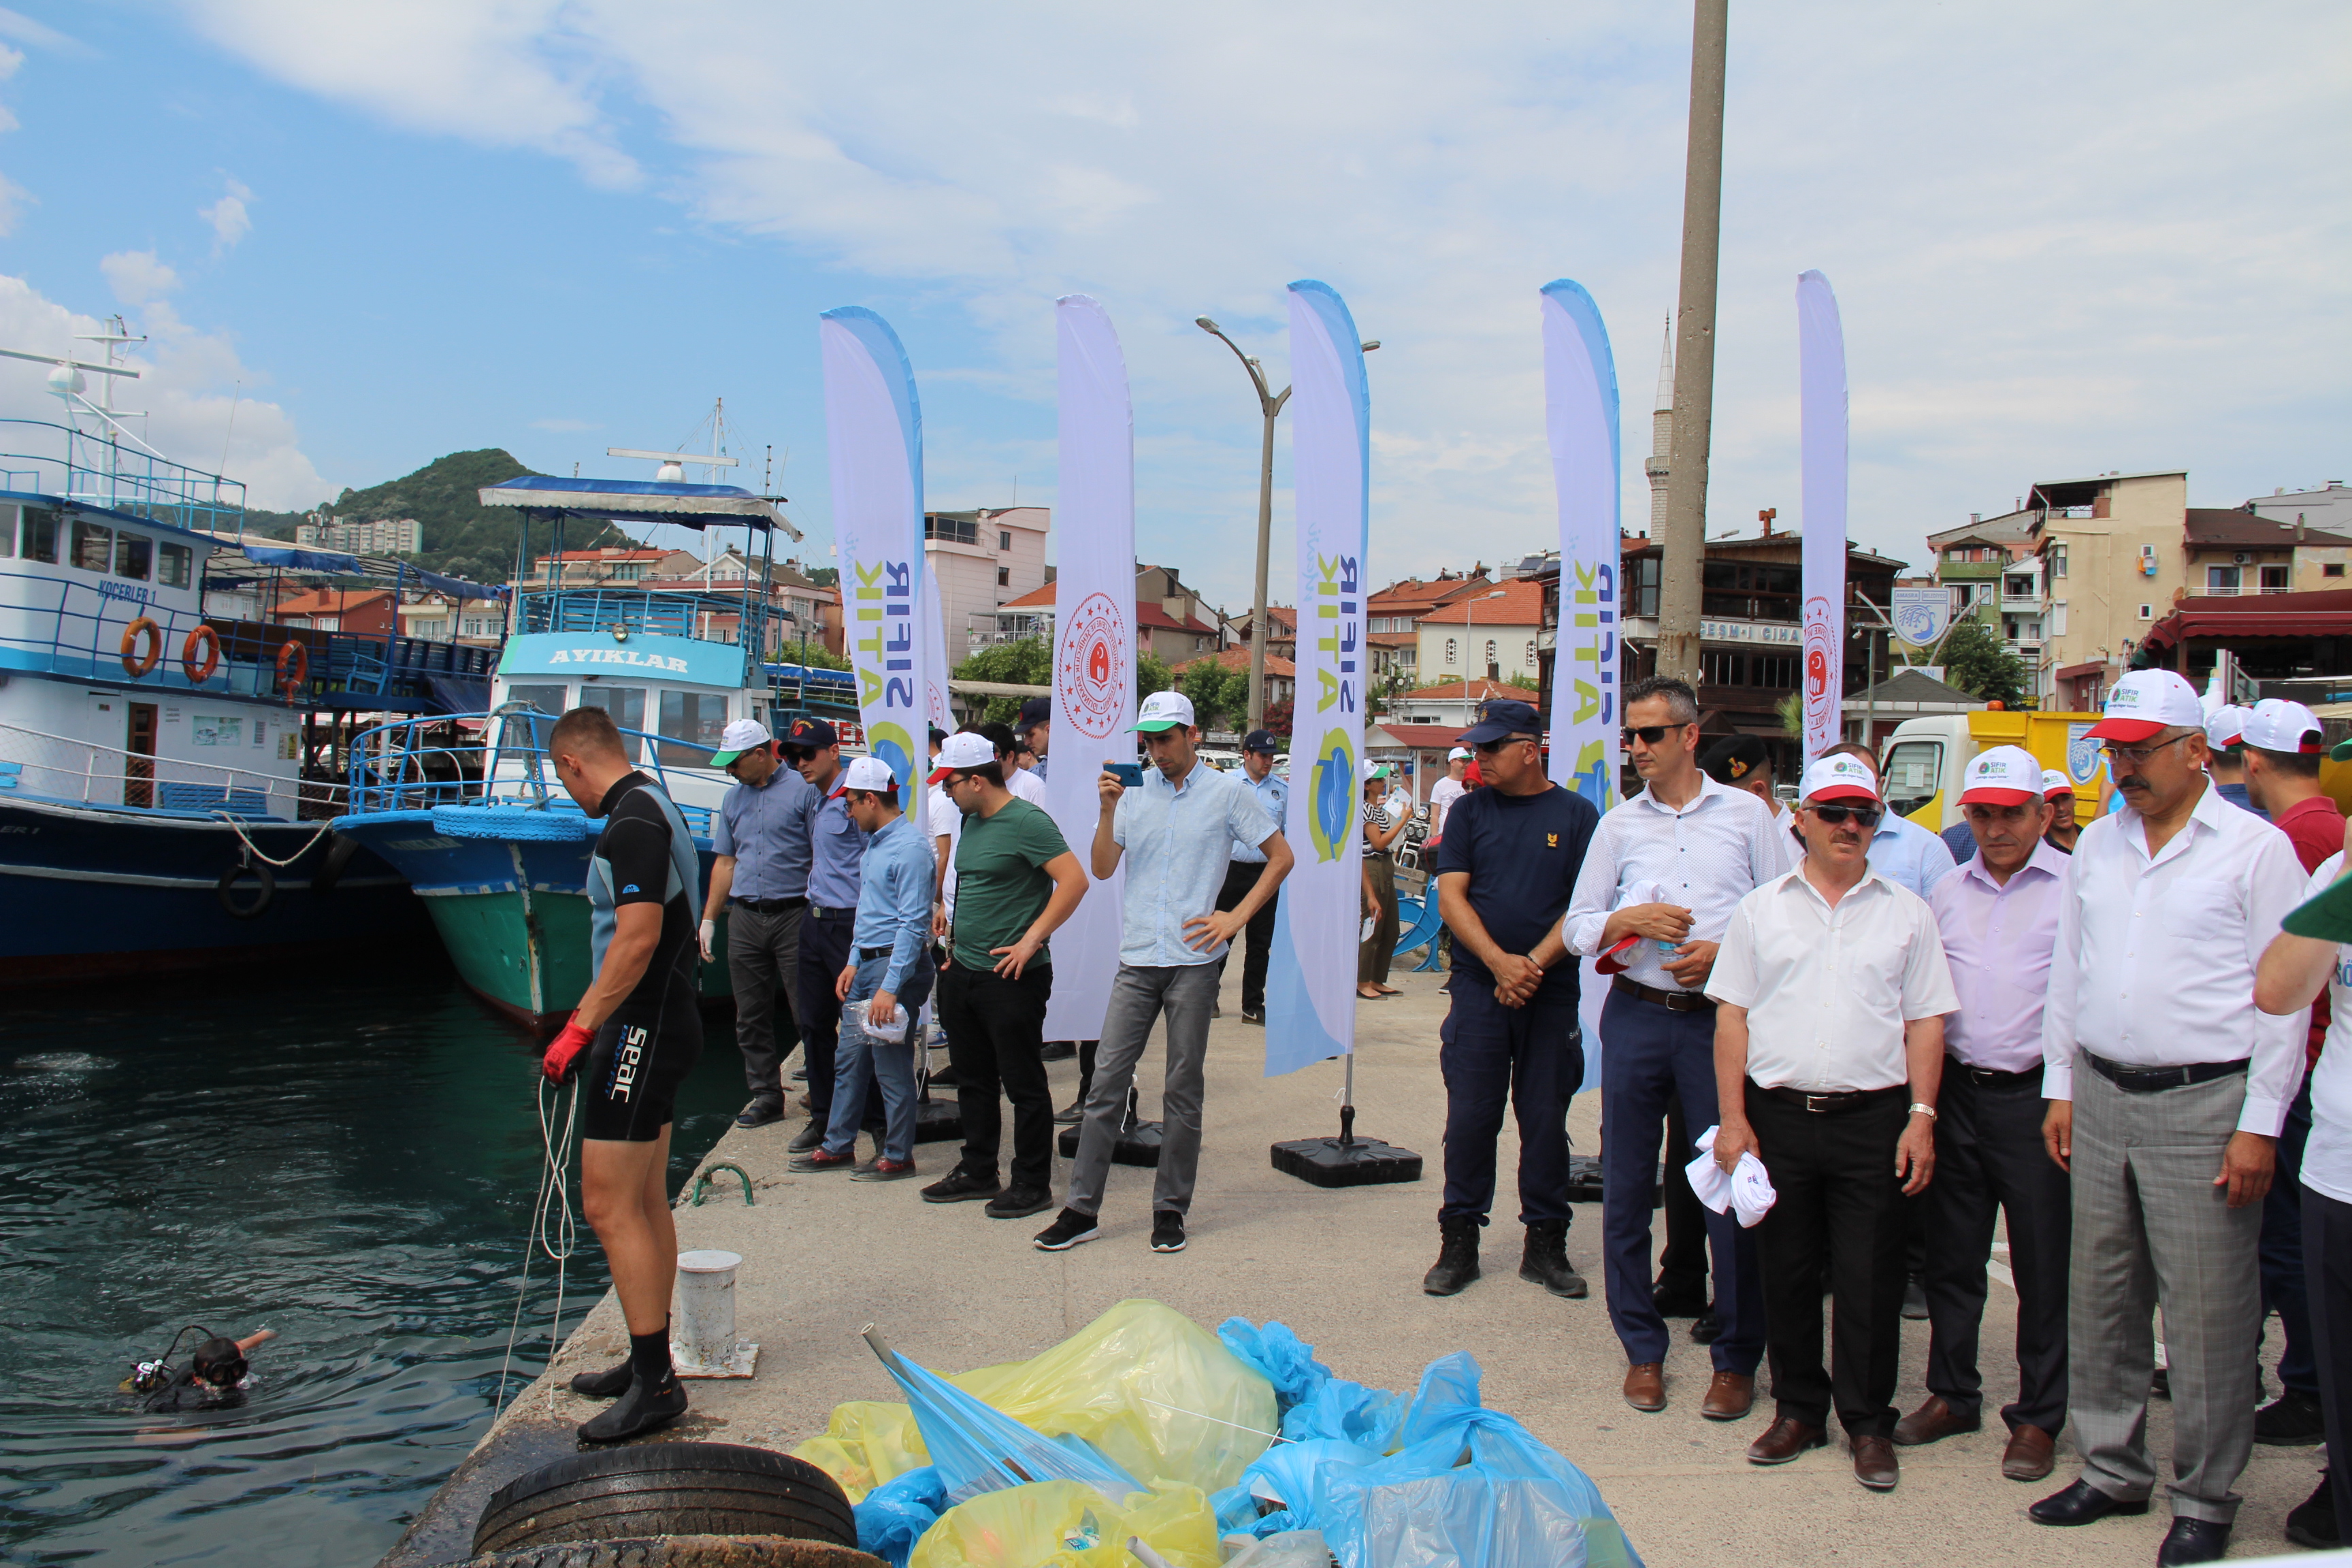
<point x="563" y="1058"/>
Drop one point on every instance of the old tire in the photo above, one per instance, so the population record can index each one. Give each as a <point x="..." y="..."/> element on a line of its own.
<point x="682" y="1551"/>
<point x="342" y="848"/>
<point x="667" y="1488"/>
<point x="265" y="891"/>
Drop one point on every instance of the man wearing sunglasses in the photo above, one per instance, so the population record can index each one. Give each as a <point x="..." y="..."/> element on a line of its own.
<point x="1902" y="851"/>
<point x="2166" y="1090"/>
<point x="1667" y="867"/>
<point x="1830" y="990"/>
<point x="836" y="852"/>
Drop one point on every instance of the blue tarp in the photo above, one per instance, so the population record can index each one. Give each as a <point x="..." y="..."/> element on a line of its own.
<point x="459" y="693"/>
<point x="340" y="564"/>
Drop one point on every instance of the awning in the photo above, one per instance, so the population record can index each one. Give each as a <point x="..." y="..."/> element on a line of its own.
<point x="646" y="501"/>
<point x="2322" y="614"/>
<point x="2076" y="671"/>
<point x="340" y="565"/>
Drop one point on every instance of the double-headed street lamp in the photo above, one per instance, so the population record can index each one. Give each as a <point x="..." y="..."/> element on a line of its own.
<point x="1270" y="406"/>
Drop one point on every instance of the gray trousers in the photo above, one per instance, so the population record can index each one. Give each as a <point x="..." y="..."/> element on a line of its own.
<point x="2150" y="1228"/>
<point x="1138" y="996"/>
<point x="762" y="959"/>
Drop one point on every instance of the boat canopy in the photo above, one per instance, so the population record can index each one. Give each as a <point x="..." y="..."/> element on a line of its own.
<point x="340" y="564"/>
<point x="640" y="500"/>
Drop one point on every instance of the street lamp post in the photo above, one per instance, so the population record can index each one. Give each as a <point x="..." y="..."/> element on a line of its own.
<point x="1270" y="406"/>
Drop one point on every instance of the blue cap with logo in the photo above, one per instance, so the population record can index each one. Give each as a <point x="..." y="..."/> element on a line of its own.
<point x="1500" y="719"/>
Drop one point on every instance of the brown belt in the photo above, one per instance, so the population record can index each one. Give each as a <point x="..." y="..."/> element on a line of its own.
<point x="1672" y="1001"/>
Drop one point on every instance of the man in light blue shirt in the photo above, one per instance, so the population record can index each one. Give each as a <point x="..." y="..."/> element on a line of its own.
<point x="836" y="845"/>
<point x="1176" y="830"/>
<point x="883" y="986"/>
<point x="1259" y="748"/>
<point x="1901" y="851"/>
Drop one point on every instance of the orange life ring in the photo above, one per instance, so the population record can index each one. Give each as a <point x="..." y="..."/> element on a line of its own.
<point x="293" y="668"/>
<point x="204" y="637"/>
<point x="136" y="663"/>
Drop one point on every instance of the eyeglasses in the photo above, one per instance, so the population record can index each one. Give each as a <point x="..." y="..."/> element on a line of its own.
<point x="1488" y="748"/>
<point x="2135" y="755"/>
<point x="1865" y="816"/>
<point x="1651" y="734"/>
<point x="798" y="754"/>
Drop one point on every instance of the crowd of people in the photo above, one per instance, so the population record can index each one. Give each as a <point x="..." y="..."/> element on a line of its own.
<point x="1863" y="1047"/>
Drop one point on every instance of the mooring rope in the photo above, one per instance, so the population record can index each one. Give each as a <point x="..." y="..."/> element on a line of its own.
<point x="557" y="1241"/>
<point x="254" y="850"/>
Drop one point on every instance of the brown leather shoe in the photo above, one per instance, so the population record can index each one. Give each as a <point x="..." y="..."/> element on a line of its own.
<point x="1933" y="1420"/>
<point x="1783" y="1440"/>
<point x="2028" y="1456"/>
<point x="1873" y="1463"/>
<point x="1729" y="1396"/>
<point x="1646" y="1386"/>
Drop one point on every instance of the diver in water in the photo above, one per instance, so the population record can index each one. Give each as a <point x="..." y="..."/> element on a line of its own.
<point x="215" y="1377"/>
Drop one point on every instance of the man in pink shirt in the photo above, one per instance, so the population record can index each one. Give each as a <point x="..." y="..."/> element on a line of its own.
<point x="1997" y="916"/>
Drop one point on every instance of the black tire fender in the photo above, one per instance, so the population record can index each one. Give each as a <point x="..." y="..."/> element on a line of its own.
<point x="681" y="1552"/>
<point x="266" y="894"/>
<point x="341" y="848"/>
<point x="667" y="1488"/>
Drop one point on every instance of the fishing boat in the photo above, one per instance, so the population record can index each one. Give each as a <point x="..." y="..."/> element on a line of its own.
<point x="500" y="859"/>
<point x="168" y="762"/>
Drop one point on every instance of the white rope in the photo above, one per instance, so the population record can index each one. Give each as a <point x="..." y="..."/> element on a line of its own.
<point x="254" y="850"/>
<point x="558" y="1240"/>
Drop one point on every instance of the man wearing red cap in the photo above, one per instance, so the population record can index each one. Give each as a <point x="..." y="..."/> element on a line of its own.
<point x="1997" y="916"/>
<point x="2167" y="1088"/>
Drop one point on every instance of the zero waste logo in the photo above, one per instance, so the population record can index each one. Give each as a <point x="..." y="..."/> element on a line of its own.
<point x="1334" y="817"/>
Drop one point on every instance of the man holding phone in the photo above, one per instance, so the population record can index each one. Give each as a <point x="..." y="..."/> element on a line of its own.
<point x="1176" y="830"/>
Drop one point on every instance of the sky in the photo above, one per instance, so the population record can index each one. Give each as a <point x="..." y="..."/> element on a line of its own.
<point x="360" y="236"/>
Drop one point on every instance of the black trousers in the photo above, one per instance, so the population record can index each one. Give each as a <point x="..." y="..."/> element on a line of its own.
<point x="1682" y="1267"/>
<point x="996" y="1029"/>
<point x="1838" y="1199"/>
<point x="1988" y="1159"/>
<point x="2328" y="1273"/>
<point x="764" y="968"/>
<point x="1530" y="1059"/>
<point x="1241" y="875"/>
<point x="825" y="953"/>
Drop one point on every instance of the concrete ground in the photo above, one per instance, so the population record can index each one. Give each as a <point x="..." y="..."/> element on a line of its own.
<point x="953" y="1289"/>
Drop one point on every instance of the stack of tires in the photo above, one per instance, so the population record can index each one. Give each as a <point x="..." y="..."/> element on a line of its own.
<point x="671" y="1505"/>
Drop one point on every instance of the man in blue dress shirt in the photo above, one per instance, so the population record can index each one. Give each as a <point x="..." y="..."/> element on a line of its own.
<point x="1259" y="748"/>
<point x="837" y="845"/>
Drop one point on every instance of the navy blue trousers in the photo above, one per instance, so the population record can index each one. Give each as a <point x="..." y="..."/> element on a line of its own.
<point x="2281" y="1250"/>
<point x="1531" y="1057"/>
<point x="1648" y="1054"/>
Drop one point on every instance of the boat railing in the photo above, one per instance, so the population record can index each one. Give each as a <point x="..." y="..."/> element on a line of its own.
<point x="34" y="764"/>
<point x="408" y="764"/>
<point x="97" y="470"/>
<point x="706" y="615"/>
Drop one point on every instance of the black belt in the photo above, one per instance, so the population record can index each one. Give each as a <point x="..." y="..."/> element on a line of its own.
<point x="771" y="905"/>
<point x="1672" y="1001"/>
<point x="1991" y="1078"/>
<point x="2148" y="1081"/>
<point x="867" y="954"/>
<point x="821" y="912"/>
<point x="1832" y="1099"/>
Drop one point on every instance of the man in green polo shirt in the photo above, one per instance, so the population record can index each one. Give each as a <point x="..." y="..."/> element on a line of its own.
<point x="1017" y="880"/>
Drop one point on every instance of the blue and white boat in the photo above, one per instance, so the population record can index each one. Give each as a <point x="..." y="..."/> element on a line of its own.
<point x="168" y="769"/>
<point x="500" y="859"/>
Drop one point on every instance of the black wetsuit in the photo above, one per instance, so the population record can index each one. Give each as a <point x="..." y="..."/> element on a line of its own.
<point x="644" y="1051"/>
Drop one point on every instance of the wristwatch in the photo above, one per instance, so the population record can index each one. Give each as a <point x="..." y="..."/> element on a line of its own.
<point x="1920" y="1107"/>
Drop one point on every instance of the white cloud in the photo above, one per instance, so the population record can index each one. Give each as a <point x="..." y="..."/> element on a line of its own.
<point x="137" y="276"/>
<point x="2059" y="245"/>
<point x="188" y="386"/>
<point x="228" y="216"/>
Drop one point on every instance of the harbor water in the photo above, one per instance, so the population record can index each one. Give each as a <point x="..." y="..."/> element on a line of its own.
<point x="352" y="1160"/>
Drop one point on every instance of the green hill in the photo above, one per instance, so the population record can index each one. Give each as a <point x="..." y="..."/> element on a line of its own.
<point x="462" y="537"/>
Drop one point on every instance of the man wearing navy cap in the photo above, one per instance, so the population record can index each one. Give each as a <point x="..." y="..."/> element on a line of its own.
<point x="1034" y="729"/>
<point x="1504" y="873"/>
<point x="1259" y="748"/>
<point x="836" y="848"/>
<point x="2166" y="1091"/>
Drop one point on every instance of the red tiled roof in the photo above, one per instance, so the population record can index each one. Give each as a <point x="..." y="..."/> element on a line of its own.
<point x="329" y="601"/>
<point x="1238" y="659"/>
<point x="1040" y="598"/>
<point x="613" y="554"/>
<point x="1520" y="605"/>
<point x="1146" y="615"/>
<point x="1480" y="690"/>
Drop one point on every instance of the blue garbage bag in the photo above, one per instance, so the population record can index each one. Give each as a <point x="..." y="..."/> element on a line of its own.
<point x="1293" y="1478"/>
<point x="893" y="1515"/>
<point x="1285" y="1360"/>
<point x="976" y="1447"/>
<point x="1348" y="1412"/>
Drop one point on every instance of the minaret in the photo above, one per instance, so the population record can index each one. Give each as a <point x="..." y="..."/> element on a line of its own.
<point x="1662" y="434"/>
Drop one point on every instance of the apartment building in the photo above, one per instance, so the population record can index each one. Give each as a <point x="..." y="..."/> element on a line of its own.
<point x="983" y="560"/>
<point x="1484" y="630"/>
<point x="355" y="536"/>
<point x="1170" y="620"/>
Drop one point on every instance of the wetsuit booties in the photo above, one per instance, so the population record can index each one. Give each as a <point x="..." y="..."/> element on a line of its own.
<point x="610" y="1383"/>
<point x="654" y="1397"/>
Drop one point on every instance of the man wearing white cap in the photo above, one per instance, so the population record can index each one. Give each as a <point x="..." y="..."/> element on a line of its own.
<point x="1997" y="917"/>
<point x="2058" y="793"/>
<point x="1830" y="990"/>
<point x="886" y="983"/>
<point x="2282" y="750"/>
<point x="1447" y="790"/>
<point x="760" y="840"/>
<point x="1902" y="851"/>
<point x="1176" y="831"/>
<point x="2167" y="1088"/>
<point x="2224" y="728"/>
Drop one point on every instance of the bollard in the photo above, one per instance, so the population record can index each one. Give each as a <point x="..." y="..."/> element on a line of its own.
<point x="702" y="1336"/>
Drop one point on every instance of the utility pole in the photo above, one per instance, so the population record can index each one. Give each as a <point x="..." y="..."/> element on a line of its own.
<point x="1684" y="549"/>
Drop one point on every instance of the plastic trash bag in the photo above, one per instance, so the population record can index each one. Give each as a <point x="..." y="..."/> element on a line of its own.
<point x="866" y="1443"/>
<point x="977" y="1447"/>
<point x="894" y="1516"/>
<point x="1063" y="1524"/>
<point x="1314" y="1404"/>
<point x="1294" y="1479"/>
<point x="1287" y="1549"/>
<point x="1277" y="1354"/>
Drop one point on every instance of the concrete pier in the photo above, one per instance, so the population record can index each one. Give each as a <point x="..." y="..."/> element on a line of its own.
<point x="954" y="1289"/>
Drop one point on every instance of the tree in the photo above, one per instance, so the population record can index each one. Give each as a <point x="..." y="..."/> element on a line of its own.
<point x="1215" y="692"/>
<point x="810" y="656"/>
<point x="1387" y="688"/>
<point x="1975" y="662"/>
<point x="1524" y="681"/>
<point x="1028" y="662"/>
<point x="1153" y="674"/>
<point x="1276" y="719"/>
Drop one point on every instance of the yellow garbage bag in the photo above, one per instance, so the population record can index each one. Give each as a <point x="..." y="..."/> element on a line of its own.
<point x="1068" y="1524"/>
<point x="865" y="1443"/>
<point x="1161" y="1396"/>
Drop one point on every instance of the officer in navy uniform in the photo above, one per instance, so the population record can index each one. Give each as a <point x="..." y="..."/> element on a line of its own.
<point x="1259" y="748"/>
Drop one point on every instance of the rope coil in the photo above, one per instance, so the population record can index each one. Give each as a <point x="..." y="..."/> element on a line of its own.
<point x="558" y="1240"/>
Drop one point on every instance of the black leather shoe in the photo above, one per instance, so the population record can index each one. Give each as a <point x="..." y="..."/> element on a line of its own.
<point x="1675" y="1302"/>
<point x="1706" y="1327"/>
<point x="2312" y="1521"/>
<point x="759" y="1113"/>
<point x="807" y="1138"/>
<point x="2081" y="1503"/>
<point x="2193" y="1541"/>
<point x="1071" y="1114"/>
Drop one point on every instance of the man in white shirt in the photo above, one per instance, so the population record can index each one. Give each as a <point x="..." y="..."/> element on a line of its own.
<point x="1447" y="790"/>
<point x="1830" y="989"/>
<point x="1997" y="916"/>
<point x="2167" y="1090"/>
<point x="2307" y="956"/>
<point x="1665" y="871"/>
<point x="1902" y="851"/>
